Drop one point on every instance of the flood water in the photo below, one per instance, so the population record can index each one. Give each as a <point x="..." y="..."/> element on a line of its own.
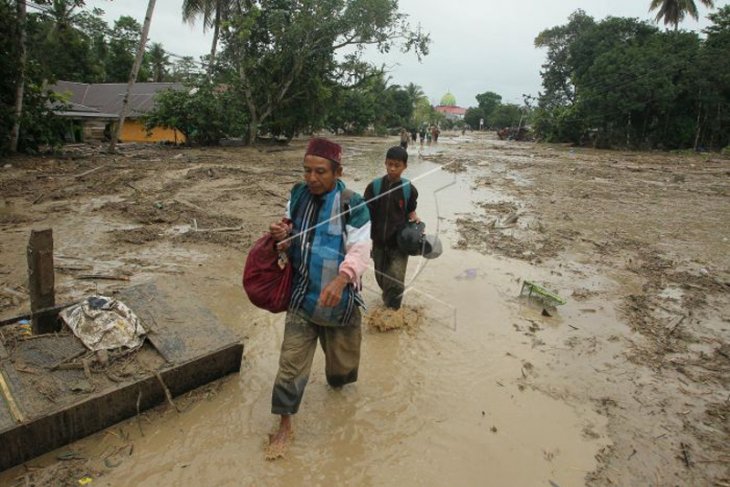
<point x="441" y="404"/>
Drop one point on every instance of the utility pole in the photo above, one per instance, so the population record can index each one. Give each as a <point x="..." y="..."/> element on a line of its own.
<point x="20" y="84"/>
<point x="133" y="74"/>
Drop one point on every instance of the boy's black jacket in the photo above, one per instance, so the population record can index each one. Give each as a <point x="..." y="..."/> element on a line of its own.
<point x="389" y="211"/>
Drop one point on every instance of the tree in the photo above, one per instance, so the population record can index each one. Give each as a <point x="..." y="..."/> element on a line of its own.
<point x="186" y="69"/>
<point x="20" y="80"/>
<point x="473" y="116"/>
<point x="426" y="114"/>
<point x="415" y="93"/>
<point x="62" y="50"/>
<point x="632" y="85"/>
<point x="714" y="64"/>
<point x="213" y="12"/>
<point x="674" y="11"/>
<point x="125" y="36"/>
<point x="372" y="103"/>
<point x="397" y="107"/>
<point x="354" y="110"/>
<point x="159" y="61"/>
<point x="557" y="71"/>
<point x="95" y="29"/>
<point x="26" y="119"/>
<point x="488" y="103"/>
<point x="506" y="115"/>
<point x="273" y="47"/>
<point x="720" y="22"/>
<point x="202" y="114"/>
<point x="133" y="73"/>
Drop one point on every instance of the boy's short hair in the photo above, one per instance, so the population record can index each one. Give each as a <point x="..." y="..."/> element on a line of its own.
<point x="397" y="153"/>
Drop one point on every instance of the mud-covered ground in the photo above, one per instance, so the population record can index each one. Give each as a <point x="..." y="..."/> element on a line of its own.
<point x="651" y="233"/>
<point x="635" y="368"/>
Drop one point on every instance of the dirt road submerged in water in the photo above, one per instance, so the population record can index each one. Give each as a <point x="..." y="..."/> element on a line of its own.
<point x="627" y="384"/>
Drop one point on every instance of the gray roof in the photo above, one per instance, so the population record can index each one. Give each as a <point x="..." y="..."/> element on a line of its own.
<point x="106" y="98"/>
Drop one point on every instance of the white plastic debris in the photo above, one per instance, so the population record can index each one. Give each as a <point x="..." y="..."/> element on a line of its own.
<point x="103" y="323"/>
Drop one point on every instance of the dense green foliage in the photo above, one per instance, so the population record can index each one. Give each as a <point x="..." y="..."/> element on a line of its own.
<point x="375" y="105"/>
<point x="622" y="82"/>
<point x="64" y="41"/>
<point x="9" y="69"/>
<point x="73" y="44"/>
<point x="279" y="60"/>
<point x="38" y="124"/>
<point x="204" y="115"/>
<point x="281" y="57"/>
<point x="275" y="70"/>
<point x="494" y="113"/>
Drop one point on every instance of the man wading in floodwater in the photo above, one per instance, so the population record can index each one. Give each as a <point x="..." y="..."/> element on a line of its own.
<point x="329" y="249"/>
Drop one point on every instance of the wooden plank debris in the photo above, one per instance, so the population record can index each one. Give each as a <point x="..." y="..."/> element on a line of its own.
<point x="196" y="349"/>
<point x="41" y="280"/>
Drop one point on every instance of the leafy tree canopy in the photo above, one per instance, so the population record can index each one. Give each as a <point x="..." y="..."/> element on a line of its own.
<point x="272" y="48"/>
<point x="622" y="82"/>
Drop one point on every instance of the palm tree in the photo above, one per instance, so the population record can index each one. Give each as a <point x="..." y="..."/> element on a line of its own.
<point x="674" y="11"/>
<point x="415" y="92"/>
<point x="133" y="74"/>
<point x="213" y="12"/>
<point x="159" y="60"/>
<point x="62" y="14"/>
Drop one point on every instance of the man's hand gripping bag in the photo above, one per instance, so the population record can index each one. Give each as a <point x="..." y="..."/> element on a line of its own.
<point x="267" y="276"/>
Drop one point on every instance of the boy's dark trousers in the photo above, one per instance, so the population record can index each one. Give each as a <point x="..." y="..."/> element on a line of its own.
<point x="390" y="271"/>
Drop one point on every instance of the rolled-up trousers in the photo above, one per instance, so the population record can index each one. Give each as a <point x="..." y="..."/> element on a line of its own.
<point x="341" y="346"/>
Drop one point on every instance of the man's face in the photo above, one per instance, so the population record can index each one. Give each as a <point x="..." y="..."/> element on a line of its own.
<point x="318" y="174"/>
<point x="394" y="168"/>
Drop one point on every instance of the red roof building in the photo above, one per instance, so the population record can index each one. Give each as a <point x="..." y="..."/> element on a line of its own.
<point x="448" y="107"/>
<point x="451" y="112"/>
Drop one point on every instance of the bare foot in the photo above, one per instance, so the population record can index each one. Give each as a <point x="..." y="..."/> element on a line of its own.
<point x="279" y="442"/>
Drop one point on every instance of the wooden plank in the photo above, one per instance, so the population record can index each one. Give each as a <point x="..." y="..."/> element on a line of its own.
<point x="54" y="310"/>
<point x="43" y="434"/>
<point x="179" y="329"/>
<point x="10" y="386"/>
<point x="9" y="398"/>
<point x="199" y="350"/>
<point x="41" y="280"/>
<point x="6" y="417"/>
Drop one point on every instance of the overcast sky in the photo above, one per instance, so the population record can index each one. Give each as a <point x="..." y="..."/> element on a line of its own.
<point x="477" y="45"/>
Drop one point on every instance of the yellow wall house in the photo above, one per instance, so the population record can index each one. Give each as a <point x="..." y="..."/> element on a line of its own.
<point x="134" y="131"/>
<point x="93" y="109"/>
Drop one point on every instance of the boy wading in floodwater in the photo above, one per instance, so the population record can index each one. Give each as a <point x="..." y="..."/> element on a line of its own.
<point x="392" y="203"/>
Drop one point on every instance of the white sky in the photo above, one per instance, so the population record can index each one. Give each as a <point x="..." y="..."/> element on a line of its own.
<point x="477" y="45"/>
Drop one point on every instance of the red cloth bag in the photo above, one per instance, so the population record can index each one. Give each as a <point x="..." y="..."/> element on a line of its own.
<point x="267" y="276"/>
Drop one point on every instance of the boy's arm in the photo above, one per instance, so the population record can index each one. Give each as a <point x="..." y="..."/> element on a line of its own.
<point x="411" y="205"/>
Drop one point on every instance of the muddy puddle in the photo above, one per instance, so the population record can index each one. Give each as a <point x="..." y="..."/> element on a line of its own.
<point x="484" y="388"/>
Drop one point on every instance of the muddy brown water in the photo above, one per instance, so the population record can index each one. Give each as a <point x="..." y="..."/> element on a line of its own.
<point x="485" y="390"/>
<point x="438" y="406"/>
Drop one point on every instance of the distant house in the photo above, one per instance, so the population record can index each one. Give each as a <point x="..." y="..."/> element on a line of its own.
<point x="449" y="108"/>
<point x="93" y="109"/>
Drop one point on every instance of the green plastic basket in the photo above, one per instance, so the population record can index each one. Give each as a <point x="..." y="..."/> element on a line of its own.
<point x="532" y="290"/>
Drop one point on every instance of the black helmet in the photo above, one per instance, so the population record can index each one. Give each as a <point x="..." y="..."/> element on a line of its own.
<point x="431" y="246"/>
<point x="409" y="238"/>
<point x="412" y="240"/>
